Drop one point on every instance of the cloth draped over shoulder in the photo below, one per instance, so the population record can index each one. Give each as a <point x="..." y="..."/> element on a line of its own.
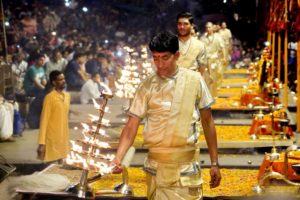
<point x="193" y="56"/>
<point x="167" y="105"/>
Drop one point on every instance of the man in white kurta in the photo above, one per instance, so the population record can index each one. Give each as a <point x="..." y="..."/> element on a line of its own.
<point x="170" y="101"/>
<point x="90" y="89"/>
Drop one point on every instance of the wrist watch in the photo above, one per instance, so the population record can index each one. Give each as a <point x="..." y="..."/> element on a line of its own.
<point x="214" y="164"/>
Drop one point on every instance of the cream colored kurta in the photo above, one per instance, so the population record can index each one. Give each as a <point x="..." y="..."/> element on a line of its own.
<point x="227" y="36"/>
<point x="214" y="51"/>
<point x="168" y="107"/>
<point x="154" y="102"/>
<point x="54" y="125"/>
<point x="192" y="54"/>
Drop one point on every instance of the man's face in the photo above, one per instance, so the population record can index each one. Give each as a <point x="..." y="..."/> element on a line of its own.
<point x="60" y="82"/>
<point x="165" y="63"/>
<point x="97" y="78"/>
<point x="209" y="28"/>
<point x="57" y="56"/>
<point x="224" y="25"/>
<point x="40" y="62"/>
<point x="82" y="59"/>
<point x="184" y="27"/>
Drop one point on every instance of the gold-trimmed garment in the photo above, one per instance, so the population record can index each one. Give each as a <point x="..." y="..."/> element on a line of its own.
<point x="168" y="107"/>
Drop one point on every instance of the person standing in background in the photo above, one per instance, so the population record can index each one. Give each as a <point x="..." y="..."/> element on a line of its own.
<point x="35" y="77"/>
<point x="54" y="124"/>
<point x="227" y="36"/>
<point x="215" y="52"/>
<point x="19" y="68"/>
<point x="192" y="51"/>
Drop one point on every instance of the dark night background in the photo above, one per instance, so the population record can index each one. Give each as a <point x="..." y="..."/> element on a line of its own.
<point x="161" y="14"/>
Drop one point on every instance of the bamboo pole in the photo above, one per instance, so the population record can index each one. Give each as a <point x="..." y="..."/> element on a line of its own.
<point x="4" y="31"/>
<point x="269" y="33"/>
<point x="279" y="57"/>
<point x="285" y="96"/>
<point x="273" y="54"/>
<point x="285" y="60"/>
<point x="269" y="37"/>
<point x="298" y="87"/>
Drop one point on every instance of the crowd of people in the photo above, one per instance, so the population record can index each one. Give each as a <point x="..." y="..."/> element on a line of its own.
<point x="42" y="39"/>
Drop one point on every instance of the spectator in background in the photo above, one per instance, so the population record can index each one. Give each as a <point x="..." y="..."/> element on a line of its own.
<point x="68" y="54"/>
<point x="93" y="65"/>
<point x="75" y="72"/>
<point x="19" y="68"/>
<point x="91" y="89"/>
<point x="236" y="55"/>
<point x="108" y="71"/>
<point x="54" y="125"/>
<point x="104" y="63"/>
<point x="57" y="62"/>
<point x="35" y="78"/>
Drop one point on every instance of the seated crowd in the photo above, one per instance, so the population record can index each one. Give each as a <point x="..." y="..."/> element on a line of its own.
<point x="43" y="39"/>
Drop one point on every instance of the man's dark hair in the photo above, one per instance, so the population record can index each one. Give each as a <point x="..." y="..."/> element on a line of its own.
<point x="164" y="41"/>
<point x="54" y="52"/>
<point x="78" y="55"/>
<point x="93" y="75"/>
<point x="101" y="55"/>
<point x="53" y="75"/>
<point x="38" y="55"/>
<point x="187" y="15"/>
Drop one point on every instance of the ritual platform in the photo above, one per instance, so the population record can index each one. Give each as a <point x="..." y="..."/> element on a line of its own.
<point x="240" y="156"/>
<point x="236" y="184"/>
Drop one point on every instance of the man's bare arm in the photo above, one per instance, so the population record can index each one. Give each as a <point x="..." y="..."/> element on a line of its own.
<point x="210" y="133"/>
<point x="127" y="138"/>
<point x="39" y="84"/>
<point x="211" y="140"/>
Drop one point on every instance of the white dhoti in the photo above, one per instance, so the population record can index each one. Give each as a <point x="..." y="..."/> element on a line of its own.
<point x="168" y="181"/>
<point x="216" y="74"/>
<point x="176" y="191"/>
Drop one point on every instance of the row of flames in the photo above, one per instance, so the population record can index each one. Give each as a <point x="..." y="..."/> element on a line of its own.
<point x="132" y="74"/>
<point x="86" y="153"/>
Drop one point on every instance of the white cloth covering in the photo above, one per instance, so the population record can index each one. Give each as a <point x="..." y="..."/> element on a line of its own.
<point x="6" y="120"/>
